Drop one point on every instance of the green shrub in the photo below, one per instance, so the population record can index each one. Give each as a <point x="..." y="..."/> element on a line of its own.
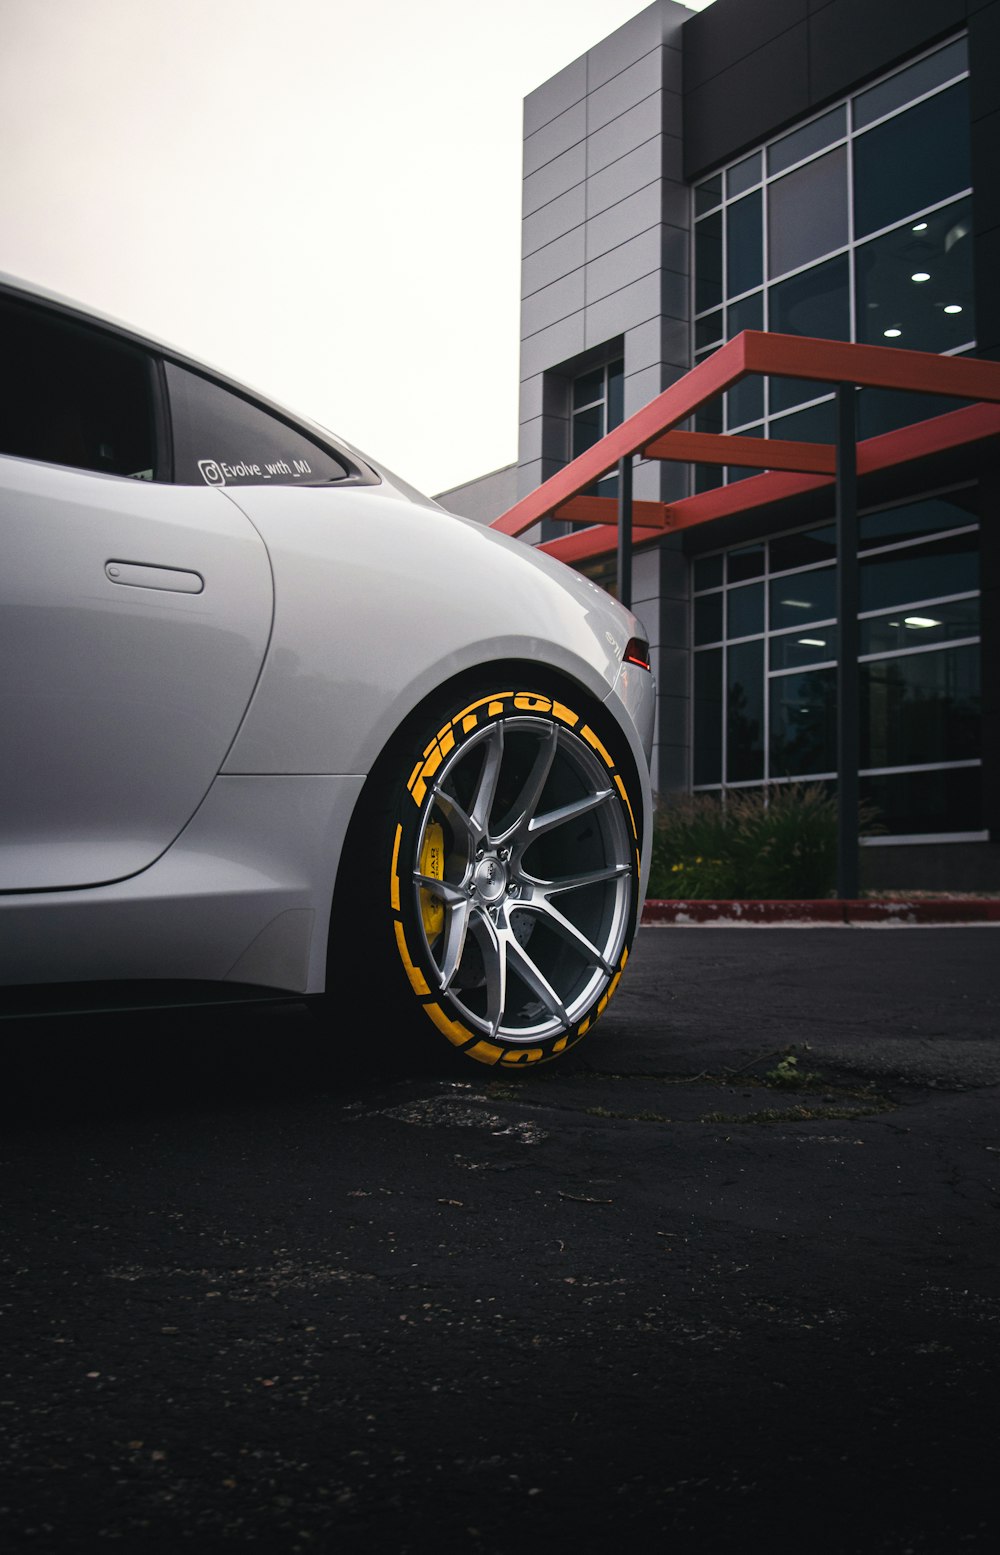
<point x="778" y="843"/>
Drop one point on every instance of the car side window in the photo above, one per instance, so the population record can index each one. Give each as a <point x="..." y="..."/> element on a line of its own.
<point x="73" y="395"/>
<point x="222" y="439"/>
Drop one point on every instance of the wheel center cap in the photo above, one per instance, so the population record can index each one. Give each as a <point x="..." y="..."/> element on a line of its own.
<point x="490" y="880"/>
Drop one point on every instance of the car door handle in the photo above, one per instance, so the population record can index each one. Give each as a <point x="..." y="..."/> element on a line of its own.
<point x="140" y="576"/>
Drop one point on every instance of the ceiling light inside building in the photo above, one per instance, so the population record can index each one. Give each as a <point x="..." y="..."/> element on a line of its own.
<point x="813" y="642"/>
<point x="797" y="604"/>
<point x="921" y="226"/>
<point x="920" y="275"/>
<point x="919" y="622"/>
<point x="892" y="334"/>
<point x="953" y="307"/>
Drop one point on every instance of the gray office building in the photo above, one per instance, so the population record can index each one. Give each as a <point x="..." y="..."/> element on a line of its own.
<point x="819" y="168"/>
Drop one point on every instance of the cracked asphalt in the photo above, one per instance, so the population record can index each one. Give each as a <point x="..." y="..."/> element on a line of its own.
<point x="728" y="1278"/>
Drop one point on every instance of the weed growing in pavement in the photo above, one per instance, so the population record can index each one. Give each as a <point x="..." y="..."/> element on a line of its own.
<point x="777" y="843"/>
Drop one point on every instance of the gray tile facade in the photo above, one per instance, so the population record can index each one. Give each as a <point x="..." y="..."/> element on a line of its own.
<point x="605" y="245"/>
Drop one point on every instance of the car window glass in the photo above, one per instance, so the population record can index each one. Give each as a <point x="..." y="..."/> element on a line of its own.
<point x="222" y="439"/>
<point x="72" y="395"/>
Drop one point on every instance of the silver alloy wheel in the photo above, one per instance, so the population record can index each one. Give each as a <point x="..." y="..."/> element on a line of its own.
<point x="524" y="880"/>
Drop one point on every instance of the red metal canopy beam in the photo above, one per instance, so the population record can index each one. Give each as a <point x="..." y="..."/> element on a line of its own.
<point x="786" y="356"/>
<point x="757" y="453"/>
<point x="604" y="510"/>
<point x="955" y="429"/>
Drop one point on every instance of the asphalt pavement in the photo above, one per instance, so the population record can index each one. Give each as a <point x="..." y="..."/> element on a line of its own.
<point x="728" y="1278"/>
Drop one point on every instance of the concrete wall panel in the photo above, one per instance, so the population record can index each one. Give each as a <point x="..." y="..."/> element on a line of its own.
<point x="553" y="220"/>
<point x="555" y="260"/>
<point x="564" y="131"/>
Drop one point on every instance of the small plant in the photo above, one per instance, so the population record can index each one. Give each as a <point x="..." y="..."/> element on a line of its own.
<point x="774" y="843"/>
<point x="787" y="1074"/>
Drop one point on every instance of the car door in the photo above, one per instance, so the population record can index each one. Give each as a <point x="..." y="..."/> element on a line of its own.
<point x="134" y="614"/>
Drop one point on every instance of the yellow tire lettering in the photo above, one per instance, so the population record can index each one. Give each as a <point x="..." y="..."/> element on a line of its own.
<point x="418" y="981"/>
<point x="485" y="1053"/>
<point x="621" y="789"/>
<point x="564" y="713"/>
<point x="524" y="1055"/>
<point x="494" y="709"/>
<point x="469" y="722"/>
<point x="394" y="881"/>
<point x="528" y="702"/>
<point x="592" y="739"/>
<point x="452" y="1029"/>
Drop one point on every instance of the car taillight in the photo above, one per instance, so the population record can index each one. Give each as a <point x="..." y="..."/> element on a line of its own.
<point x="637" y="652"/>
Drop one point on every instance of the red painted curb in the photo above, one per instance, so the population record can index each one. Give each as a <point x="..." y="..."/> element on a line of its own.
<point x="925" y="910"/>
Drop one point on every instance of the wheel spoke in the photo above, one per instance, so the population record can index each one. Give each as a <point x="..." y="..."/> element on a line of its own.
<point x="449" y="894"/>
<point x="569" y="931"/>
<point x="568" y="812"/>
<point x="534" y="784"/>
<point x="494" y="950"/>
<point x="486" y="788"/>
<point x="455" y="931"/>
<point x="530" y="974"/>
<point x="574" y="882"/>
<point x="456" y="816"/>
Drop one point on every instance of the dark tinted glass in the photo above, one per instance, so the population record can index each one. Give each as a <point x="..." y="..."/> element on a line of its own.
<point x="883" y="410"/>
<point x="920" y="707"/>
<point x="747" y="562"/>
<point x="708" y="262"/>
<point x="799" y="550"/>
<point x="708" y="619"/>
<point x="920" y="627"/>
<point x="745" y="713"/>
<point x="803" y="142"/>
<point x="815" y="424"/>
<point x="745" y="402"/>
<point x="588" y="428"/>
<point x="908" y="84"/>
<point x="803" y="723"/>
<point x="807" y="212"/>
<point x="708" y="716"/>
<point x="746" y="610"/>
<point x="793" y="649"/>
<point x="223" y="440"/>
<point x="743" y="175"/>
<point x="941" y="567"/>
<point x="708" y="572"/>
<point x="588" y="387"/>
<point x="708" y="194"/>
<point x="73" y="396"/>
<point x="745" y="251"/>
<point x="748" y="313"/>
<point x="616" y="394"/>
<point x="803" y="596"/>
<point x="918" y="518"/>
<point x="814" y="303"/>
<point x="708" y="330"/>
<point x="914" y="289"/>
<point x="912" y="161"/>
<point x="914" y="803"/>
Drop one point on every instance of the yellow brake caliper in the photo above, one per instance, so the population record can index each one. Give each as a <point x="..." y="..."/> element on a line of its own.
<point x="432" y="866"/>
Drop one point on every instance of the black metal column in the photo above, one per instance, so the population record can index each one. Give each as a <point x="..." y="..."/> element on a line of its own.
<point x="625" y="531"/>
<point x="848" y="713"/>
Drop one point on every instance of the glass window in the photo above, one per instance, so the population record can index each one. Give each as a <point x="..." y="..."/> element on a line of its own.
<point x="743" y="175"/>
<point x="803" y="142"/>
<point x="73" y="396"/>
<point x="807" y="212"/>
<point x="745" y="712"/>
<point x="905" y="85"/>
<point x="708" y="262"/>
<point x="747" y="562"/>
<point x="588" y="388"/>
<point x="745" y="402"/>
<point x="914" y="160"/>
<point x="588" y="428"/>
<point x="708" y="716"/>
<point x="883" y="410"/>
<point x="920" y="707"/>
<point x="803" y="723"/>
<point x="224" y="440"/>
<point x="912" y="803"/>
<point x="708" y="572"/>
<point x="598" y="402"/>
<point x="744" y="245"/>
<point x="708" y="330"/>
<point x="799" y="550"/>
<point x="815" y="424"/>
<point x="616" y="394"/>
<point x="817" y="303"/>
<point x="792" y="649"/>
<point x="748" y="313"/>
<point x="920" y="627"/>
<point x="946" y="566"/>
<point x="914" y="519"/>
<point x="708" y="619"/>
<point x="803" y="596"/>
<point x="914" y="288"/>
<point x="745" y="610"/>
<point x="708" y="195"/>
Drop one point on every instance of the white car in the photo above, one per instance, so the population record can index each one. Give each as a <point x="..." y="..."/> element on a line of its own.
<point x="273" y="721"/>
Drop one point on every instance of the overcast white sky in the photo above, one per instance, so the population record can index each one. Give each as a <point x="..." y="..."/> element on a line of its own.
<point x="320" y="197"/>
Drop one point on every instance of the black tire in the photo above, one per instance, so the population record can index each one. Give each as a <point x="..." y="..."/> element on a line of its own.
<point x="506" y="854"/>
